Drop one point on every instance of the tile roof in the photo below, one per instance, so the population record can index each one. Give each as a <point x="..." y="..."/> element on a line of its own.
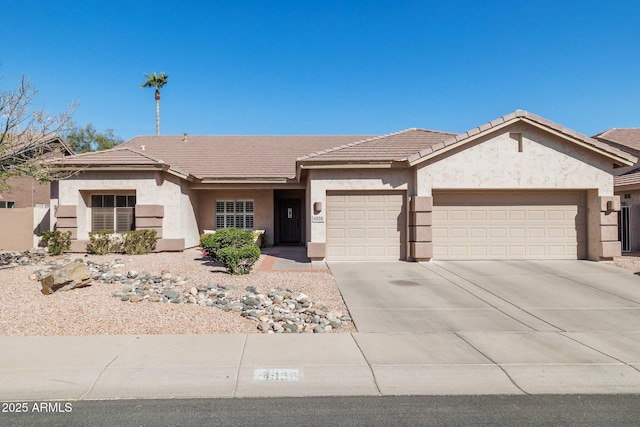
<point x="395" y="146"/>
<point x="526" y="116"/>
<point x="274" y="157"/>
<point x="626" y="137"/>
<point x="630" y="178"/>
<point x="216" y="157"/>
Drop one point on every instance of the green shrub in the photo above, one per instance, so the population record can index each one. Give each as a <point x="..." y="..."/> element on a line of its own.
<point x="238" y="260"/>
<point x="225" y="238"/>
<point x="103" y="242"/>
<point x="139" y="242"/>
<point x="57" y="241"/>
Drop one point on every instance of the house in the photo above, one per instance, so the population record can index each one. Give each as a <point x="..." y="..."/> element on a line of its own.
<point x="518" y="187"/>
<point x="24" y="202"/>
<point x="627" y="185"/>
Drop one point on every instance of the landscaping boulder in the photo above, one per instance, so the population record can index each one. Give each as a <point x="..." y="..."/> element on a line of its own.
<point x="69" y="276"/>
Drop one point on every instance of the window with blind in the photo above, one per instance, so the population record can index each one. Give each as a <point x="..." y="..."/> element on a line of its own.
<point x="113" y="212"/>
<point x="234" y="213"/>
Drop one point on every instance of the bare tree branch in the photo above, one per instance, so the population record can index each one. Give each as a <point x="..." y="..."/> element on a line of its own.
<point x="29" y="136"/>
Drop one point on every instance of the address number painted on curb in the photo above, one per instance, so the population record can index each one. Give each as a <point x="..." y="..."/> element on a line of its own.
<point x="276" y="375"/>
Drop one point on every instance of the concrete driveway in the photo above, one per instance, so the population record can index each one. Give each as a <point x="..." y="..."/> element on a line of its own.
<point x="496" y="327"/>
<point x="485" y="296"/>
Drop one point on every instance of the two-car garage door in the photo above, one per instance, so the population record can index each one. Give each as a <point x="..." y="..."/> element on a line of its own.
<point x="500" y="224"/>
<point x="509" y="225"/>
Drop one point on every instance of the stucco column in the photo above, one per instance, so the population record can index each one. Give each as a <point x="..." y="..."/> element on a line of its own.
<point x="420" y="234"/>
<point x="609" y="243"/>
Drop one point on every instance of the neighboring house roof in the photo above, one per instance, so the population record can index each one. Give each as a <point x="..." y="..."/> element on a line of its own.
<point x="624" y="138"/>
<point x="630" y="178"/>
<point x="22" y="146"/>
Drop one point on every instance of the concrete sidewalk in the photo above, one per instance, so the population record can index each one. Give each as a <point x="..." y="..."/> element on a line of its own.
<point x="185" y="366"/>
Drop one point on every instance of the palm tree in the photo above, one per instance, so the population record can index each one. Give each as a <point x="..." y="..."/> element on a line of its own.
<point x="156" y="81"/>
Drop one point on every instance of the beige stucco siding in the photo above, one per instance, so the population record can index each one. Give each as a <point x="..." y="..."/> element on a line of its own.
<point x="495" y="162"/>
<point x="179" y="211"/>
<point x="262" y="205"/>
<point x="323" y="180"/>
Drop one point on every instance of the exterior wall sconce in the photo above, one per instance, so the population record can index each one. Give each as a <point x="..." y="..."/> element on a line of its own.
<point x="317" y="207"/>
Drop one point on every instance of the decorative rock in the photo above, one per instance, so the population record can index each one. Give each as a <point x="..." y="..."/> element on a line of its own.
<point x="135" y="298"/>
<point x="171" y="294"/>
<point x="69" y="276"/>
<point x="251" y="289"/>
<point x="264" y="327"/>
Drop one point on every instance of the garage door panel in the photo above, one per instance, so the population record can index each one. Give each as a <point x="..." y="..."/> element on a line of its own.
<point x="373" y="226"/>
<point x="509" y="224"/>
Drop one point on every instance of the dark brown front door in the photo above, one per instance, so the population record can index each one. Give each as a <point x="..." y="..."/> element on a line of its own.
<point x="290" y="222"/>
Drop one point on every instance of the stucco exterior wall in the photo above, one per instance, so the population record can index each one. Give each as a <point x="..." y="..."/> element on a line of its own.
<point x="322" y="180"/>
<point x="494" y="162"/>
<point x="150" y="188"/>
<point x="77" y="191"/>
<point x="263" y="218"/>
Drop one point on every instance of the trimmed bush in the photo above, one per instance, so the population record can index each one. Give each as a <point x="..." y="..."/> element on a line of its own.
<point x="225" y="238"/>
<point x="139" y="242"/>
<point x="57" y="242"/>
<point x="103" y="242"/>
<point x="238" y="260"/>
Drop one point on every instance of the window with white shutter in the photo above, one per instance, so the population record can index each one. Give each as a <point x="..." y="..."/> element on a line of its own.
<point x="113" y="212"/>
<point x="234" y="213"/>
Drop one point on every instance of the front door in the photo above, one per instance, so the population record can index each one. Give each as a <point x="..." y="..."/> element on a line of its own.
<point x="290" y="222"/>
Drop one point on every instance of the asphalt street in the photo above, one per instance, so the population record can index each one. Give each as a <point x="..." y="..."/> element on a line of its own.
<point x="541" y="410"/>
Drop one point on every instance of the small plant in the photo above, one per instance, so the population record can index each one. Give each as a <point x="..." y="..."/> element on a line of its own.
<point x="102" y="242"/>
<point x="238" y="260"/>
<point x="226" y="237"/>
<point x="139" y="242"/>
<point x="56" y="241"/>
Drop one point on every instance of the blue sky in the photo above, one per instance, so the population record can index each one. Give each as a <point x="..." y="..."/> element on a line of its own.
<point x="327" y="67"/>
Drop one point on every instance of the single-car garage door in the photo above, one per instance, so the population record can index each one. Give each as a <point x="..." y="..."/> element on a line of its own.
<point x="366" y="226"/>
<point x="509" y="225"/>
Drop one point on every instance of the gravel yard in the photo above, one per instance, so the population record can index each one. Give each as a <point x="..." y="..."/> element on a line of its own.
<point x="93" y="310"/>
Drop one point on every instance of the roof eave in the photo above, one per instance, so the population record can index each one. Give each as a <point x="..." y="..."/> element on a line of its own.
<point x="383" y="164"/>
<point x="243" y="180"/>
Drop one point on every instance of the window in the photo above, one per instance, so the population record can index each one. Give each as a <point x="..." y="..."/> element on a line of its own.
<point x="234" y="213"/>
<point x="7" y="205"/>
<point x="113" y="212"/>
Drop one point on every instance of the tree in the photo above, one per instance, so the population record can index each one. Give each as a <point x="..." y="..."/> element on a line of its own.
<point x="83" y="139"/>
<point x="156" y="81"/>
<point x="28" y="135"/>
